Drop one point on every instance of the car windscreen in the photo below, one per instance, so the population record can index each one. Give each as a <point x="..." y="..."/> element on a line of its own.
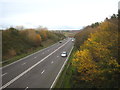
<point x="64" y="52"/>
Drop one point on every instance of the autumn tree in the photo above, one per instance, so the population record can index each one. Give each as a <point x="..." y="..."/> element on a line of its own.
<point x="96" y="61"/>
<point x="43" y="33"/>
<point x="16" y="42"/>
<point x="83" y="36"/>
<point x="38" y="39"/>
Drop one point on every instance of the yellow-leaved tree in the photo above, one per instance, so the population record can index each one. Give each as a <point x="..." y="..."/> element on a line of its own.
<point x="97" y="59"/>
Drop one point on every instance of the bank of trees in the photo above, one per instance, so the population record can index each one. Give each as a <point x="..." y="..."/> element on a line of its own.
<point x="16" y="42"/>
<point x="96" y="61"/>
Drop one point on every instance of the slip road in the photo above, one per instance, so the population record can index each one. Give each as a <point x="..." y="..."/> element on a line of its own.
<point x="38" y="70"/>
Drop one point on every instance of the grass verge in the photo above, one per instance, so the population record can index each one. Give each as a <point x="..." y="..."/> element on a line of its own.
<point x="45" y="45"/>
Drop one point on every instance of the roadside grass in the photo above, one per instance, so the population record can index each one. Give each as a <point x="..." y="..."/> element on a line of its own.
<point x="64" y="81"/>
<point x="45" y="45"/>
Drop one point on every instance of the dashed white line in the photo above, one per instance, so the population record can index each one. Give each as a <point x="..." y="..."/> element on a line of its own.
<point x="29" y="55"/>
<point x="52" y="62"/>
<point x="23" y="73"/>
<point x="35" y="57"/>
<point x="23" y="63"/>
<point x="61" y="69"/>
<point x="3" y="74"/>
<point x="42" y="71"/>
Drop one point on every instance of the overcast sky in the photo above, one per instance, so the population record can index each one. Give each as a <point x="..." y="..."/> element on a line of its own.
<point x="55" y="14"/>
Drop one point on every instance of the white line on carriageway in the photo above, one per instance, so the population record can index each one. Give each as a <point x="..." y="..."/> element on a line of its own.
<point x="42" y="71"/>
<point x="23" y="73"/>
<point x="4" y="74"/>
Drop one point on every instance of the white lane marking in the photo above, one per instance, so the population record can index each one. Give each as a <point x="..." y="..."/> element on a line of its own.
<point x="35" y="57"/>
<point x="23" y="63"/>
<point x="61" y="69"/>
<point x="57" y="56"/>
<point x="42" y="71"/>
<point x="28" y="56"/>
<point x="26" y="88"/>
<point x="23" y="73"/>
<point x="52" y="62"/>
<point x="3" y="74"/>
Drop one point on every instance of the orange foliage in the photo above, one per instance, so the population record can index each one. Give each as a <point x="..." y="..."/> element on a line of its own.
<point x="38" y="39"/>
<point x="11" y="52"/>
<point x="97" y="57"/>
<point x="43" y="34"/>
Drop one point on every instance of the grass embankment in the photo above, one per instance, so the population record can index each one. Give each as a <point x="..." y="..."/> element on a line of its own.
<point x="64" y="81"/>
<point x="45" y="44"/>
<point x="17" y="44"/>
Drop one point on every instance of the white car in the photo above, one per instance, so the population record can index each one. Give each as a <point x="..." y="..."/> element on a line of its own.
<point x="72" y="40"/>
<point x="64" y="54"/>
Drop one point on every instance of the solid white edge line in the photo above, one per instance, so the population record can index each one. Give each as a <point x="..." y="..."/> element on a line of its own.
<point x="20" y="75"/>
<point x="61" y="70"/>
<point x="28" y="56"/>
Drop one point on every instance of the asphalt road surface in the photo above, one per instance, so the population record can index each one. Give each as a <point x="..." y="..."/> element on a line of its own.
<point x="38" y="70"/>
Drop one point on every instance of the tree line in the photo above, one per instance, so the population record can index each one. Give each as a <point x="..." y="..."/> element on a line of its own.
<point x="96" y="60"/>
<point x="16" y="42"/>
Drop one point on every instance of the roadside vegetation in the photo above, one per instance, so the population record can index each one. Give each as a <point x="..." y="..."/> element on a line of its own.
<point x="70" y="33"/>
<point x="0" y="48"/>
<point x="19" y="43"/>
<point x="95" y="62"/>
